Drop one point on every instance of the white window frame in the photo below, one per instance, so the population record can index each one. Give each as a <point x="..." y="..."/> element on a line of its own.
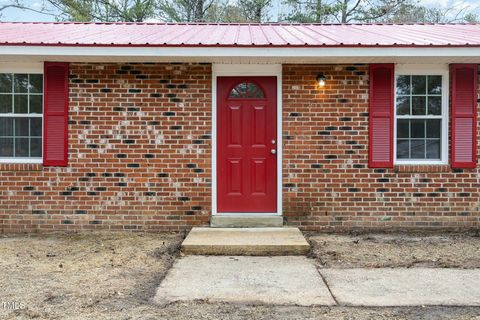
<point x="27" y="68"/>
<point x="422" y="70"/>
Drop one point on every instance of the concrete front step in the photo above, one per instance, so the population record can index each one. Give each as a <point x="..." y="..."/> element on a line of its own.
<point x="245" y="241"/>
<point x="245" y="221"/>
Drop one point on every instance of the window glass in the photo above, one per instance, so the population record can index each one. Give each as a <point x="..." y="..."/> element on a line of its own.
<point x="403" y="104"/>
<point x="419" y="117"/>
<point x="36" y="83"/>
<point x="6" y="127"/>
<point x="419" y="106"/>
<point x="35" y="147"/>
<point x="22" y="127"/>
<point x="36" y="127"/>
<point x="20" y="83"/>
<point x="434" y="84"/>
<point x="21" y="147"/>
<point x="6" y="147"/>
<point x="247" y="90"/>
<point x="435" y="105"/>
<point x="419" y="85"/>
<point x="21" y="113"/>
<point x="6" y="103"/>
<point x="36" y="104"/>
<point x="5" y="83"/>
<point x="20" y="103"/>
<point x="403" y="85"/>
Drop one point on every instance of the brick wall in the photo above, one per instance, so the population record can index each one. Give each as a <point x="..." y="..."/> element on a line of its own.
<point x="140" y="150"/>
<point x="140" y="157"/>
<point x="327" y="183"/>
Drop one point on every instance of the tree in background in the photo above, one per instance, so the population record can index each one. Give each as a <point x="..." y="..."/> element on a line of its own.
<point x="303" y="11"/>
<point x="104" y="10"/>
<point x="224" y="12"/>
<point x="310" y="11"/>
<point x="420" y="14"/>
<point x="254" y="10"/>
<point x="184" y="10"/>
<point x="368" y="10"/>
<point x="18" y="4"/>
<point x="344" y="11"/>
<point x="12" y="4"/>
<point x="164" y="10"/>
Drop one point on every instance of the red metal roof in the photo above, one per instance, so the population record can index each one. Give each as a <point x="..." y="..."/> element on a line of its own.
<point x="237" y="35"/>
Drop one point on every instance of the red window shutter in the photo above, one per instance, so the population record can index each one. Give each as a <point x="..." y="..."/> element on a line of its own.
<point x="464" y="115"/>
<point x="55" y="113"/>
<point x="381" y="116"/>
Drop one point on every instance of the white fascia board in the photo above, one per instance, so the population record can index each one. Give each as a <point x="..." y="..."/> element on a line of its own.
<point x="76" y="51"/>
<point x="211" y="54"/>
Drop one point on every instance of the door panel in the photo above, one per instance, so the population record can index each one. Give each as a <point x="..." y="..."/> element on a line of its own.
<point x="235" y="123"/>
<point x="259" y="174"/>
<point x="246" y="134"/>
<point x="259" y="125"/>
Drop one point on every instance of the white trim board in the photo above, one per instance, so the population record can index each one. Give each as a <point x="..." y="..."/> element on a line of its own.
<point x="21" y="67"/>
<point x="232" y="70"/>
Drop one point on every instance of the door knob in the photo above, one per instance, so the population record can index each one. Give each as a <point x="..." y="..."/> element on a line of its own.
<point x="273" y="151"/>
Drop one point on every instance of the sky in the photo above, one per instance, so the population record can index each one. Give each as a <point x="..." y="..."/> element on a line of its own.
<point x="18" y="15"/>
<point x="12" y="14"/>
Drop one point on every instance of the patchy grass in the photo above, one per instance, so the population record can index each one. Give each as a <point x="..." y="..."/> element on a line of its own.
<point x="115" y="275"/>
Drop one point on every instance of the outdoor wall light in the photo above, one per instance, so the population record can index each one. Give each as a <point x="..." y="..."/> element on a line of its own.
<point x="321" y="79"/>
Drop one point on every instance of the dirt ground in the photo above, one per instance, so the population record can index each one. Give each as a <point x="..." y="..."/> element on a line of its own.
<point x="397" y="250"/>
<point x="114" y="276"/>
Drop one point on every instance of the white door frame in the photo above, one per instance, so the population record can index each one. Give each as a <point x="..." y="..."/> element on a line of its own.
<point x="233" y="70"/>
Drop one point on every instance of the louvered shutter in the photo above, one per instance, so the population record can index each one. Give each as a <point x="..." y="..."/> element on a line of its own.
<point x="381" y="116"/>
<point x="55" y="143"/>
<point x="464" y="115"/>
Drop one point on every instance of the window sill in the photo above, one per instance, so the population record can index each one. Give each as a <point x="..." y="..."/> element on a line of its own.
<point x="21" y="160"/>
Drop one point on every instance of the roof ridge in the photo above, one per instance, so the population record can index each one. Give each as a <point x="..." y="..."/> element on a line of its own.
<point x="234" y="23"/>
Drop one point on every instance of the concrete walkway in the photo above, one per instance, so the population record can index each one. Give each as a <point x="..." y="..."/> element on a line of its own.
<point x="240" y="279"/>
<point x="289" y="280"/>
<point x="404" y="287"/>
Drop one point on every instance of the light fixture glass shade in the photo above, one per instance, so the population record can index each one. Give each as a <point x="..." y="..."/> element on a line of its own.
<point x="322" y="80"/>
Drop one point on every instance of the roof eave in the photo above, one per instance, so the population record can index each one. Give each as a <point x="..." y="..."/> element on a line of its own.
<point x="288" y="54"/>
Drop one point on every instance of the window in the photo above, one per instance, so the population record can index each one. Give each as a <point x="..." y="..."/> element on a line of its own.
<point x="21" y="116"/>
<point x="420" y="117"/>
<point x="247" y="90"/>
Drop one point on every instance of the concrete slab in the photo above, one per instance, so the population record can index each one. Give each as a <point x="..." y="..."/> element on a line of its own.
<point x="245" y="241"/>
<point x="269" y="280"/>
<point x="404" y="287"/>
<point x="245" y="221"/>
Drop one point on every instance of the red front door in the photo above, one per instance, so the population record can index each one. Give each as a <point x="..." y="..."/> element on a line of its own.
<point x="246" y="144"/>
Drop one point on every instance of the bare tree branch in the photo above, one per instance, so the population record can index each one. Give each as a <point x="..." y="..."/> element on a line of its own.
<point x="17" y="5"/>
